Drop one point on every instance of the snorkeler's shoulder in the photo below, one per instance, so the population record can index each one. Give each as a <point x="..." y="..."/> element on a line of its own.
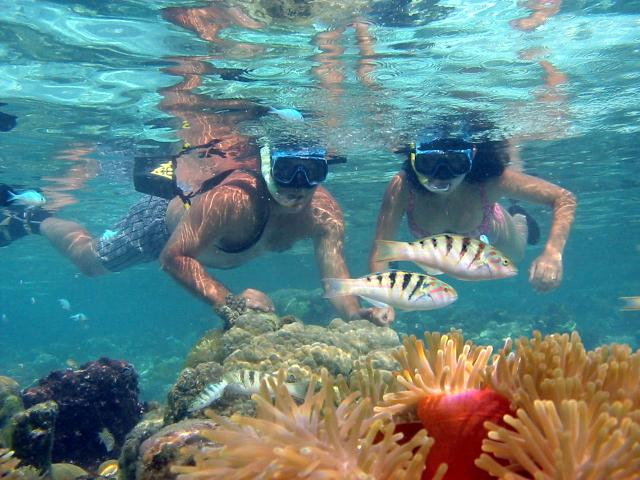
<point x="325" y="211"/>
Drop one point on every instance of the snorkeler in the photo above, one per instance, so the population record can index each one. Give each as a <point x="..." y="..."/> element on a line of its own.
<point x="237" y="216"/>
<point x="451" y="184"/>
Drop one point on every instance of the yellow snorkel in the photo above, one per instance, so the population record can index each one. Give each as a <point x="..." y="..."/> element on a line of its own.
<point x="265" y="168"/>
<point x="423" y="179"/>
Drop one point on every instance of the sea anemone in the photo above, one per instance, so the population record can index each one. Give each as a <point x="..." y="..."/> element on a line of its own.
<point x="570" y="441"/>
<point x="541" y="408"/>
<point x="322" y="438"/>
<point x="577" y="413"/>
<point x="446" y="386"/>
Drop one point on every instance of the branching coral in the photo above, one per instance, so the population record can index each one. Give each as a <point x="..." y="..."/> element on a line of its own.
<point x="320" y="439"/>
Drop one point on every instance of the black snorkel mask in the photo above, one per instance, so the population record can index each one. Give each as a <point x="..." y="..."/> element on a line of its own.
<point x="441" y="160"/>
<point x="301" y="167"/>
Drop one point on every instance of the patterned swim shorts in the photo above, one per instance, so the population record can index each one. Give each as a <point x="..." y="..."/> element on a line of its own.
<point x="139" y="237"/>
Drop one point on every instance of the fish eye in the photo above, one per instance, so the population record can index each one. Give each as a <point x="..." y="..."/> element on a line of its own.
<point x="505" y="262"/>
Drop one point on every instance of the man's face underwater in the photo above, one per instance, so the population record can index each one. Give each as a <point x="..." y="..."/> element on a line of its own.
<point x="294" y="199"/>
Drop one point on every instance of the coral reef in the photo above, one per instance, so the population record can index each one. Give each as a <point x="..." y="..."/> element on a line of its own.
<point x="170" y="447"/>
<point x="9" y="469"/>
<point x="190" y="383"/>
<point x="10" y="404"/>
<point x="208" y="349"/>
<point x="33" y="434"/>
<point x="129" y="456"/>
<point x="321" y="438"/>
<point x="262" y="342"/>
<point x="100" y="396"/>
<point x="547" y="408"/>
<point x="305" y="349"/>
<point x="308" y="305"/>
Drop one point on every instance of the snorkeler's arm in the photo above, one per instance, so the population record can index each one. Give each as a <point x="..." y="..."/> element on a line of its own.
<point x="546" y="271"/>
<point x="207" y="220"/>
<point x="328" y="240"/>
<point x="391" y="212"/>
<point x="526" y="187"/>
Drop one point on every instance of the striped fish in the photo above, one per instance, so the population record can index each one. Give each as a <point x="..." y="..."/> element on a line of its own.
<point x="240" y="382"/>
<point x="403" y="290"/>
<point x="461" y="257"/>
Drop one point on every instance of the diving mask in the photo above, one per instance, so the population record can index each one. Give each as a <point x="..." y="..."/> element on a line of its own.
<point x="441" y="164"/>
<point x="299" y="168"/>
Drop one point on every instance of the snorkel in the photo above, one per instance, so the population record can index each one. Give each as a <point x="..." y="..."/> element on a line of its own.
<point x="265" y="167"/>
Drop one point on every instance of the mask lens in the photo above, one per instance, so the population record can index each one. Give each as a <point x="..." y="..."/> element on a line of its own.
<point x="304" y="172"/>
<point x="443" y="163"/>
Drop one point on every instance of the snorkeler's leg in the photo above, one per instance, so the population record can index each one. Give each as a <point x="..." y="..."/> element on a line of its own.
<point x="74" y="242"/>
<point x="509" y="233"/>
<point x="533" y="228"/>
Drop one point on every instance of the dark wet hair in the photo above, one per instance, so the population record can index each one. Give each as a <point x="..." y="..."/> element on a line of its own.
<point x="461" y="129"/>
<point x="492" y="157"/>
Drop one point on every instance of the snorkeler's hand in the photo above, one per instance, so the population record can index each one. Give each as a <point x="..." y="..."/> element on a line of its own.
<point x="545" y="272"/>
<point x="257" y="300"/>
<point x="383" y="317"/>
<point x="288" y="114"/>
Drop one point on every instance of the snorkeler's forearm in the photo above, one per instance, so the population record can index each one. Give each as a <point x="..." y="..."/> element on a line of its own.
<point x="190" y="273"/>
<point x="564" y="209"/>
<point x="391" y="213"/>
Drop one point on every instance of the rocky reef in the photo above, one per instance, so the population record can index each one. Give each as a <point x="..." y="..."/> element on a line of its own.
<point x="96" y="405"/>
<point x="262" y="342"/>
<point x="287" y="397"/>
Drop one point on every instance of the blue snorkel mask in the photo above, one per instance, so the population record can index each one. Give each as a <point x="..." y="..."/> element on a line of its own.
<point x="442" y="163"/>
<point x="299" y="167"/>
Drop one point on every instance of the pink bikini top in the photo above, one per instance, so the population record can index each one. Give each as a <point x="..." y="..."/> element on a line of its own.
<point x="489" y="212"/>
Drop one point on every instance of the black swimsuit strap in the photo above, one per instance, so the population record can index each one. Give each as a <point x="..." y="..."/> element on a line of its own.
<point x="262" y="195"/>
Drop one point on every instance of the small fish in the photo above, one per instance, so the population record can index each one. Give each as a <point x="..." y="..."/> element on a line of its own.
<point x="107" y="439"/>
<point x="240" y="382"/>
<point x="108" y="469"/>
<point x="79" y="317"/>
<point x="403" y="290"/>
<point x="29" y="198"/>
<point x="64" y="304"/>
<point x="631" y="304"/>
<point x="5" y="318"/>
<point x="71" y="363"/>
<point x="464" y="258"/>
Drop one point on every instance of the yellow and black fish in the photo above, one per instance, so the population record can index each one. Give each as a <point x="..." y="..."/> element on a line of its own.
<point x="403" y="290"/>
<point x="465" y="258"/>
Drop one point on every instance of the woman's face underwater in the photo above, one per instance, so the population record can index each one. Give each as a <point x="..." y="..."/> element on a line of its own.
<point x="442" y="187"/>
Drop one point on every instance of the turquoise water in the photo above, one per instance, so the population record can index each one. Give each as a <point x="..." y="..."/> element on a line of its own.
<point x="86" y="79"/>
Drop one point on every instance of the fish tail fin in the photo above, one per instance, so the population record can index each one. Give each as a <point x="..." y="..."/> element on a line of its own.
<point x="336" y="287"/>
<point x="7" y="195"/>
<point x="388" y="251"/>
<point x="298" y="390"/>
<point x="630" y="304"/>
